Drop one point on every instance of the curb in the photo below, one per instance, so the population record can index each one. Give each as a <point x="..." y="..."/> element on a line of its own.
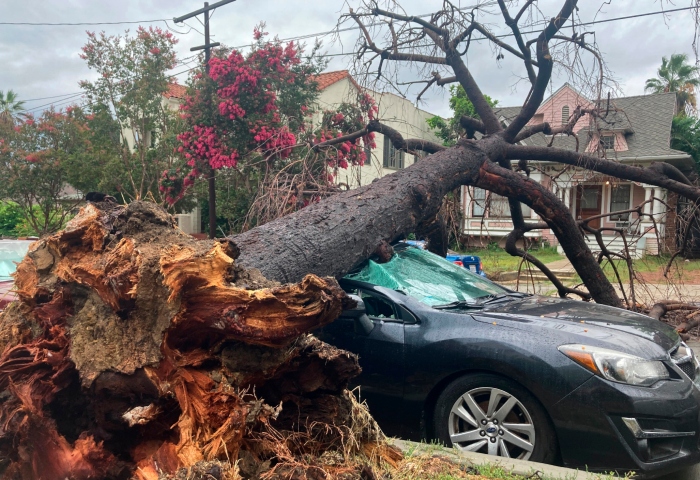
<point x="516" y="467"/>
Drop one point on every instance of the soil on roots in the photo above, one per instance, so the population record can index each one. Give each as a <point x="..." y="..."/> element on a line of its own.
<point x="137" y="351"/>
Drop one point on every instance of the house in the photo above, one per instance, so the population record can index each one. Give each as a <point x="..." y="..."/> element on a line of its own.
<point x="335" y="88"/>
<point x="631" y="130"/>
<point x="395" y="111"/>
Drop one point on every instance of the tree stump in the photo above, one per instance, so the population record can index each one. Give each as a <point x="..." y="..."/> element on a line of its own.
<point x="138" y="351"/>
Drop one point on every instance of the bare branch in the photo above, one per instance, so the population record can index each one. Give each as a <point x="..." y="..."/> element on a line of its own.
<point x="412" y="19"/>
<point x="408" y="57"/>
<point x="472" y="125"/>
<point x="525" y="50"/>
<point x="546" y="63"/>
<point x="659" y="174"/>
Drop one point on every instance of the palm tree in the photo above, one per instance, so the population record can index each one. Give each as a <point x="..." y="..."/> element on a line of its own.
<point x="10" y="107"/>
<point x="676" y="75"/>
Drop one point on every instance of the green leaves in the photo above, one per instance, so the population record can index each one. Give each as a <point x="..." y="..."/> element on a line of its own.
<point x="451" y="130"/>
<point x="677" y="75"/>
<point x="685" y="136"/>
<point x="132" y="125"/>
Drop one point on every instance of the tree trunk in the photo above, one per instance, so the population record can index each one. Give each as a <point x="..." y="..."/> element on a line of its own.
<point x="332" y="237"/>
<point x="136" y="351"/>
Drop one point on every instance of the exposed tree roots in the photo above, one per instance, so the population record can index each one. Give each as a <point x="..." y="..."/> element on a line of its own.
<point x="137" y="352"/>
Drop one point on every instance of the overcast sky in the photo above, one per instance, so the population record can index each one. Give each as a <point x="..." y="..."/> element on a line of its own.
<point x="43" y="61"/>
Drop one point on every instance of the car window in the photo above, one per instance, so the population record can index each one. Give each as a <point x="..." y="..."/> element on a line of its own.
<point x="426" y="277"/>
<point x="11" y="253"/>
<point x="377" y="307"/>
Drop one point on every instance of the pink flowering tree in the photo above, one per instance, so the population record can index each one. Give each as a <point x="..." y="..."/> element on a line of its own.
<point x="131" y="86"/>
<point x="252" y="121"/>
<point x="35" y="154"/>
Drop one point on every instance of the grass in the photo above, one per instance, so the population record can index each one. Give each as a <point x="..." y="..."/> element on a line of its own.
<point x="496" y="260"/>
<point x="430" y="461"/>
<point x="648" y="264"/>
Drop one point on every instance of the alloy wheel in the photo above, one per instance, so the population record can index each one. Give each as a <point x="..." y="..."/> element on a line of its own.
<point x="490" y="420"/>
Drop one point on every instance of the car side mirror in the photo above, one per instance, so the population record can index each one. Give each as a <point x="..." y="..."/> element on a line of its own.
<point x="363" y="325"/>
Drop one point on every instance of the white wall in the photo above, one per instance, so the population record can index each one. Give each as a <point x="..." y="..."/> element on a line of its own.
<point x="394" y="111"/>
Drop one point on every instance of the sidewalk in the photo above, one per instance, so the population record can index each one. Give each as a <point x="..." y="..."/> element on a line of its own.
<point x="646" y="293"/>
<point x="515" y="467"/>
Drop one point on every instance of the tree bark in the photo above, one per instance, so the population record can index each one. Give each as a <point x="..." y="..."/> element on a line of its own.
<point x="334" y="236"/>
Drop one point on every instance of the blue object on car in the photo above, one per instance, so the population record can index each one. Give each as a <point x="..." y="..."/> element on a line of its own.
<point x="417" y="243"/>
<point x="470" y="262"/>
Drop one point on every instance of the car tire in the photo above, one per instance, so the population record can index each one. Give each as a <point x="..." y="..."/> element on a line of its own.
<point x="490" y="414"/>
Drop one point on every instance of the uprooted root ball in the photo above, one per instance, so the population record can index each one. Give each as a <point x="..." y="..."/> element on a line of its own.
<point x="137" y="351"/>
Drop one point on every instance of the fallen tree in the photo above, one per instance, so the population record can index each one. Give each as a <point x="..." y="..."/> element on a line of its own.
<point x="135" y="350"/>
<point x="331" y="237"/>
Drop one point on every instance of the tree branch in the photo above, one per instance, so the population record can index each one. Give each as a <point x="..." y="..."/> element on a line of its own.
<point x="411" y="144"/>
<point x="546" y="63"/>
<point x="411" y="19"/>
<point x="483" y="109"/>
<point x="659" y="174"/>
<point x="526" y="54"/>
<point x="547" y="129"/>
<point x="472" y="125"/>
<point x="386" y="54"/>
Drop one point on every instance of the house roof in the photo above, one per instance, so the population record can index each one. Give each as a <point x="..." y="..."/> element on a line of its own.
<point x="646" y="120"/>
<point x="326" y="79"/>
<point x="175" y="91"/>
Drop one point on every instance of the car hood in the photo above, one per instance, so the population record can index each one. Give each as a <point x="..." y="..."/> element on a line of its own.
<point x="598" y="321"/>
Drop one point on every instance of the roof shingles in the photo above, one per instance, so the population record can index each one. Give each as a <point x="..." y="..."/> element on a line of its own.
<point x="647" y="118"/>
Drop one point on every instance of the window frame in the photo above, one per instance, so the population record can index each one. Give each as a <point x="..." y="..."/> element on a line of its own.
<point x="392" y="156"/>
<point x="478" y="202"/>
<point x="565" y="114"/>
<point x="624" y="217"/>
<point x="603" y="144"/>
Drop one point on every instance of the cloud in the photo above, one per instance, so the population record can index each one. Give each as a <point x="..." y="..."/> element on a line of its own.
<point x="43" y="61"/>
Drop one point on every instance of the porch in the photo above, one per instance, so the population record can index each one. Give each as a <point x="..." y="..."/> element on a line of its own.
<point x="608" y="205"/>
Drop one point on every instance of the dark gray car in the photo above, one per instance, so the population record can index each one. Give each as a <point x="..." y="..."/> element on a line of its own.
<point x="451" y="356"/>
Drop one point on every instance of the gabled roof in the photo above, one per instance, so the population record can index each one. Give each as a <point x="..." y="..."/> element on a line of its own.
<point x="326" y="79"/>
<point x="646" y="119"/>
<point x="175" y="91"/>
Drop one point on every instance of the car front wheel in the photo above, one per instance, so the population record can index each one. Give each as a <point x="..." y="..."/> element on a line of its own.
<point x="490" y="414"/>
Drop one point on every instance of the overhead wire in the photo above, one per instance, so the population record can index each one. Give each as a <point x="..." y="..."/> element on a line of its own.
<point x="320" y="34"/>
<point x="70" y="24"/>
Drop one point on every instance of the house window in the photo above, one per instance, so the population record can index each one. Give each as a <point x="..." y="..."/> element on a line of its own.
<point x="607" y="142"/>
<point x="498" y="206"/>
<point x="479" y="204"/>
<point x="620" y="200"/>
<point x="392" y="158"/>
<point x="152" y="135"/>
<point x="564" y="114"/>
<point x="368" y="156"/>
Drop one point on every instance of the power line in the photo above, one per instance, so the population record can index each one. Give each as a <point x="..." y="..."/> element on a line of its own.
<point x="310" y="35"/>
<point x="70" y="24"/>
<point x="46" y="98"/>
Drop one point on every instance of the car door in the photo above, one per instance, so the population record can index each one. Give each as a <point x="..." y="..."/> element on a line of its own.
<point x="381" y="354"/>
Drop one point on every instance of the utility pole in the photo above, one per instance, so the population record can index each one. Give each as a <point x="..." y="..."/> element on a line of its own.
<point x="207" y="56"/>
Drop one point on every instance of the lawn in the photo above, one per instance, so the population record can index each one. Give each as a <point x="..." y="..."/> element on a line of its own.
<point x="496" y="260"/>
<point x="650" y="268"/>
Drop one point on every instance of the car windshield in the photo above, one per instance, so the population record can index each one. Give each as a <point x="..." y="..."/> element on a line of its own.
<point x="426" y="277"/>
<point x="11" y="253"/>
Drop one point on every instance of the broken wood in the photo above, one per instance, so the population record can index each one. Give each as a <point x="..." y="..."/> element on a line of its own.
<point x="137" y="351"/>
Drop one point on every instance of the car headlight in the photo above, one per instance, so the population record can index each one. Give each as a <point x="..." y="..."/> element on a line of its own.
<point x="616" y="366"/>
